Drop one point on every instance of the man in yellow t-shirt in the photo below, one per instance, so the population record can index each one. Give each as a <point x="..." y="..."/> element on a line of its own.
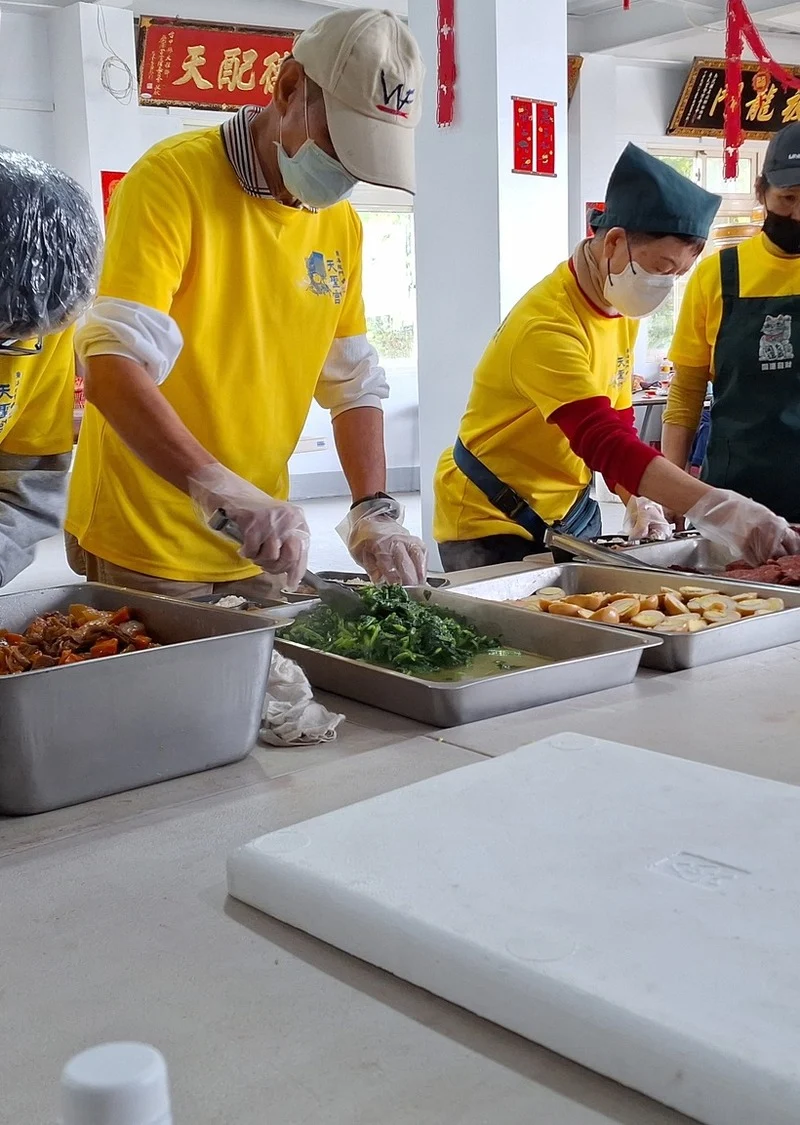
<point x="551" y="398"/>
<point x="49" y="252"/>
<point x="739" y="327"/>
<point x="230" y="298"/>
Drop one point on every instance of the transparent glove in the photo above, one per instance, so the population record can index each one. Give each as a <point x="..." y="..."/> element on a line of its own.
<point x="274" y="533"/>
<point x="749" y="530"/>
<point x="374" y="535"/>
<point x="644" y="519"/>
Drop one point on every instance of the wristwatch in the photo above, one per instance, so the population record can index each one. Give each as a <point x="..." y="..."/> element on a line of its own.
<point x="374" y="496"/>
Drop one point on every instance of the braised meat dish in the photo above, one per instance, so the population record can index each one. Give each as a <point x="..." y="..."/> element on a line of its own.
<point x="83" y="633"/>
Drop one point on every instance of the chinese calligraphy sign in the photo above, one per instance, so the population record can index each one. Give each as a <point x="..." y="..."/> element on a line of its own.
<point x="208" y="65"/>
<point x="765" y="105"/>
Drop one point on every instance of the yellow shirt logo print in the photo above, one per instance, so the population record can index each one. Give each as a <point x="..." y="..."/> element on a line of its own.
<point x="8" y="399"/>
<point x="623" y="371"/>
<point x="325" y="276"/>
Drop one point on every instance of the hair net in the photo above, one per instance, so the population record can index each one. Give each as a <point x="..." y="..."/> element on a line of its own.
<point x="49" y="247"/>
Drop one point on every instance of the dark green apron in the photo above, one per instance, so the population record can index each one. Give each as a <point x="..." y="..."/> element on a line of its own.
<point x="755" y="421"/>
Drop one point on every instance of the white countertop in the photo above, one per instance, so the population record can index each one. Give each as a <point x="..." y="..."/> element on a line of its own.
<point x="115" y="924"/>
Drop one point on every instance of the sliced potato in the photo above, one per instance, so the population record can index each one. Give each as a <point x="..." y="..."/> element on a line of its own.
<point x="650" y="601"/>
<point x="563" y="609"/>
<point x="697" y="624"/>
<point x="674" y="606"/>
<point x="748" y="607"/>
<point x="606" y="615"/>
<point x="746" y="597"/>
<point x="671" y="590"/>
<point x="586" y="601"/>
<point x="626" y="607"/>
<point x="648" y="619"/>
<point x="677" y="624"/>
<point x="718" y="602"/>
<point x="751" y="606"/>
<point x="694" y="591"/>
<point x="586" y="614"/>
<point x="527" y="603"/>
<point x="554" y="593"/>
<point x="721" y="616"/>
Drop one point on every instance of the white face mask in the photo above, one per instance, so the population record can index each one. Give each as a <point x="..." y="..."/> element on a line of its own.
<point x="311" y="176"/>
<point x="637" y="293"/>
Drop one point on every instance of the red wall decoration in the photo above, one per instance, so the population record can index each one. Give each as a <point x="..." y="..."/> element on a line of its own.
<point x="591" y="208"/>
<point x="741" y="30"/>
<point x="208" y="65"/>
<point x="446" y="72"/>
<point x="108" y="182"/>
<point x="534" y="137"/>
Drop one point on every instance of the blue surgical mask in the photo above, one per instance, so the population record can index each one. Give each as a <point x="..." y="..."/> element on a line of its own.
<point x="311" y="176"/>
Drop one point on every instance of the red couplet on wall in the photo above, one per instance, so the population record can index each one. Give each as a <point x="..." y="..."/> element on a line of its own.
<point x="446" y="63"/>
<point x="534" y="137"/>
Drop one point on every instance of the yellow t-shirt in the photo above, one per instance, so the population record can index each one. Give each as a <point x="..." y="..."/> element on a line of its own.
<point x="553" y="348"/>
<point x="763" y="272"/>
<point x="37" y="394"/>
<point x="259" y="292"/>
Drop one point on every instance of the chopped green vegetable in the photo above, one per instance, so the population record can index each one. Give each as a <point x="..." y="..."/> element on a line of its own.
<point x="396" y="632"/>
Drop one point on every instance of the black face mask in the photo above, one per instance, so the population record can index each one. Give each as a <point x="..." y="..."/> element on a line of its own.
<point x="783" y="231"/>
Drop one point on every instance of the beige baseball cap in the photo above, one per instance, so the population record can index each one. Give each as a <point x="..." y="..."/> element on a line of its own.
<point x="371" y="73"/>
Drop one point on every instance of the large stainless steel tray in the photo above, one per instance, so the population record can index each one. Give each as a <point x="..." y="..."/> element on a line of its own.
<point x="86" y="730"/>
<point x="590" y="658"/>
<point x="678" y="652"/>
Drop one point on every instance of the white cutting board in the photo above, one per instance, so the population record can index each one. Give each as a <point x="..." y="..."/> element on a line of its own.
<point x="634" y="912"/>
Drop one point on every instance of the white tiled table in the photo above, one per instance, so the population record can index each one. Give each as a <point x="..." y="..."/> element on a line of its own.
<point x="114" y="923"/>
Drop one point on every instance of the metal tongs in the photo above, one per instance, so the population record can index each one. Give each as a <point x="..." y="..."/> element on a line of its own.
<point x="591" y="551"/>
<point x="345" y="602"/>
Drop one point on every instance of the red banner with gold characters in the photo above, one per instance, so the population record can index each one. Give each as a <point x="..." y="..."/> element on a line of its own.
<point x="534" y="137"/>
<point x="108" y="182"/>
<point x="208" y="65"/>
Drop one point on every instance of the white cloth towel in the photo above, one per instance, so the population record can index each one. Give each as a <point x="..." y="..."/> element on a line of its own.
<point x="291" y="717"/>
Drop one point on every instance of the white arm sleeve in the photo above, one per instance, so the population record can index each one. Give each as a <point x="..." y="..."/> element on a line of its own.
<point x="351" y="377"/>
<point x="137" y="332"/>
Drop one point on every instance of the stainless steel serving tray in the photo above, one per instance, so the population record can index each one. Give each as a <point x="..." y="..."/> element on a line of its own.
<point x="693" y="554"/>
<point x="677" y="652"/>
<point x="590" y="658"/>
<point x="86" y="730"/>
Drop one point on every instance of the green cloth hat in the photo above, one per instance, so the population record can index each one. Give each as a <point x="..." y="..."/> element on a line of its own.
<point x="646" y="196"/>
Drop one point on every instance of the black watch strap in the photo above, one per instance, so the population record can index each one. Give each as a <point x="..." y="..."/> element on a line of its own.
<point x="374" y="496"/>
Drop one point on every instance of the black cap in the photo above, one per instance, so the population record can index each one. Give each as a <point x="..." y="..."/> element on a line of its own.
<point x="647" y="196"/>
<point x="782" y="162"/>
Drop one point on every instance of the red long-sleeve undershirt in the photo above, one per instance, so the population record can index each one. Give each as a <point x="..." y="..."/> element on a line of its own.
<point x="606" y="440"/>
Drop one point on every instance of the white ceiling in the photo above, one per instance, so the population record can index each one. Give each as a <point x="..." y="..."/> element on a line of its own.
<point x="677" y="29"/>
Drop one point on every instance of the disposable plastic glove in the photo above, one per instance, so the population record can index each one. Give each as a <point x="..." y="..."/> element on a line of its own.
<point x="749" y="530"/>
<point x="275" y="535"/>
<point x="644" y="519"/>
<point x="374" y="535"/>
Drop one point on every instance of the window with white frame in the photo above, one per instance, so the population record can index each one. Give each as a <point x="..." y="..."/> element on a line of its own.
<point x="736" y="218"/>
<point x="390" y="287"/>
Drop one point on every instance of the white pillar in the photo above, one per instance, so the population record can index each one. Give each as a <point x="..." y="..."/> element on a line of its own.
<point x="484" y="235"/>
<point x="94" y="131"/>
<point x="593" y="143"/>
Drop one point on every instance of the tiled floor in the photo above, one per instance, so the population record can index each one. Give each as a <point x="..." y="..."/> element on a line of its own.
<point x="327" y="550"/>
